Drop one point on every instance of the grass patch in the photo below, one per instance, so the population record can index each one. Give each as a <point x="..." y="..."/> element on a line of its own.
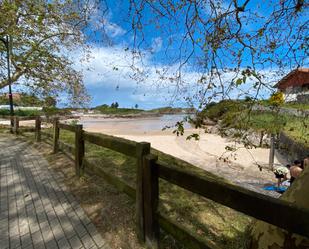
<point x="297" y="106"/>
<point x="298" y="129"/>
<point x="295" y="127"/>
<point x="237" y="115"/>
<point x="23" y="113"/>
<point x="215" y="222"/>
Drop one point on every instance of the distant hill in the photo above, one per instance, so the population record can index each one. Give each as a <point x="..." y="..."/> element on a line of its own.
<point x="106" y="109"/>
<point x="172" y="110"/>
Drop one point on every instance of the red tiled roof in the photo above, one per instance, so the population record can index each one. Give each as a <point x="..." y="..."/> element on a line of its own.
<point x="297" y="77"/>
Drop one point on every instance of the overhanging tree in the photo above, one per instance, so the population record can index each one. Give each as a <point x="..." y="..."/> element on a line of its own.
<point x="229" y="43"/>
<point x="245" y="40"/>
<point x="42" y="36"/>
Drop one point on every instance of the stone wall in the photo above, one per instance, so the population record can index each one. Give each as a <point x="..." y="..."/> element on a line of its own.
<point x="293" y="150"/>
<point x="303" y="98"/>
<point x="283" y="110"/>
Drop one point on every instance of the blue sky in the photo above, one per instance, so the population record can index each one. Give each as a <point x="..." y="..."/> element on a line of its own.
<point x="114" y="73"/>
<point x="111" y="75"/>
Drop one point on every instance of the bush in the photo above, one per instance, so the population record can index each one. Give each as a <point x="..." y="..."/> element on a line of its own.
<point x="51" y="111"/>
<point x="113" y="110"/>
<point x="216" y="111"/>
<point x="23" y="113"/>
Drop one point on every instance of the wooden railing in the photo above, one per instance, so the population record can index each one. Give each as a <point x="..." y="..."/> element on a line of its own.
<point x="277" y="212"/>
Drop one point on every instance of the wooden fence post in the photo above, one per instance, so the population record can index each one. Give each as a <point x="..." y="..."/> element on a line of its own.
<point x="142" y="149"/>
<point x="12" y="125"/>
<point x="56" y="135"/>
<point x="16" y="124"/>
<point x="151" y="201"/>
<point x="79" y="149"/>
<point x="261" y="139"/>
<point x="38" y="128"/>
<point x="272" y="151"/>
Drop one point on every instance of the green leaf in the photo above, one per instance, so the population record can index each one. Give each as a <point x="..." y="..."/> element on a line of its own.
<point x="239" y="81"/>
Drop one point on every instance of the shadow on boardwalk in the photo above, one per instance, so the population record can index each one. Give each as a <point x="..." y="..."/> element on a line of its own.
<point x="36" y="209"/>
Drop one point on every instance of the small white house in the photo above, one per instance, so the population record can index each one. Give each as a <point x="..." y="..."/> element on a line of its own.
<point x="295" y="86"/>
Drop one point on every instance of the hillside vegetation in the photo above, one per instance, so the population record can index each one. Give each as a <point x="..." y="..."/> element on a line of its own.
<point x="115" y="109"/>
<point x="240" y="115"/>
<point x="105" y="109"/>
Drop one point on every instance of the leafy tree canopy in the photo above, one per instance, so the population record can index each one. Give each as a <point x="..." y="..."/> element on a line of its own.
<point x="229" y="43"/>
<point x="42" y="34"/>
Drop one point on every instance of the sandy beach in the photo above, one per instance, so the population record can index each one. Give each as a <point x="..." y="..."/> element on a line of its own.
<point x="209" y="152"/>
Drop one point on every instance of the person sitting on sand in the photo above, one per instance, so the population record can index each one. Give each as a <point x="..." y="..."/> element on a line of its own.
<point x="295" y="170"/>
<point x="281" y="174"/>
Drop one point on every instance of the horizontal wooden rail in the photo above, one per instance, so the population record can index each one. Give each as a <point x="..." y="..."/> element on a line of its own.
<point x="93" y="169"/>
<point x="26" y="118"/>
<point x="186" y="237"/>
<point x="5" y="117"/>
<point x="274" y="211"/>
<point x="114" y="143"/>
<point x="21" y="118"/>
<point x="26" y="129"/>
<point x="277" y="212"/>
<point x="67" y="127"/>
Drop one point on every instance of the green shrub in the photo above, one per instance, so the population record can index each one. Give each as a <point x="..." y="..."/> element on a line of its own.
<point x="104" y="109"/>
<point x="23" y="113"/>
<point x="216" y="111"/>
<point x="51" y="111"/>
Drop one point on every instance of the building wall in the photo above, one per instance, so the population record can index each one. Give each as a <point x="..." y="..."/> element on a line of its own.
<point x="296" y="93"/>
<point x="292" y="149"/>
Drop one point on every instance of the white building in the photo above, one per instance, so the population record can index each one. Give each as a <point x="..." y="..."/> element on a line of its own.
<point x="295" y="86"/>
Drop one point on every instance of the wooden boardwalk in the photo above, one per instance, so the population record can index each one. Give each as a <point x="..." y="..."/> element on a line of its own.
<point x="36" y="208"/>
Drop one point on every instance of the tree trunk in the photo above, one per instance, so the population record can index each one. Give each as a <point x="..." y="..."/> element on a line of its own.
<point x="265" y="236"/>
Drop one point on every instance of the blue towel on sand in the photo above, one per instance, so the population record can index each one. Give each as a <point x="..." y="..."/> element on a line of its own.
<point x="275" y="188"/>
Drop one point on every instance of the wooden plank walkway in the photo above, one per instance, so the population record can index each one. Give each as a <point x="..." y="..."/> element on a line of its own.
<point x="36" y="208"/>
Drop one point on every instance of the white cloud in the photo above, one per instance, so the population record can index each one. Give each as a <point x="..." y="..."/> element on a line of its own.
<point x="102" y="21"/>
<point x="156" y="44"/>
<point x="112" y="29"/>
<point x="147" y="81"/>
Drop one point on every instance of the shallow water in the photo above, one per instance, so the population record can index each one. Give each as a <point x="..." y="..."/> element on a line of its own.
<point x="135" y="124"/>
